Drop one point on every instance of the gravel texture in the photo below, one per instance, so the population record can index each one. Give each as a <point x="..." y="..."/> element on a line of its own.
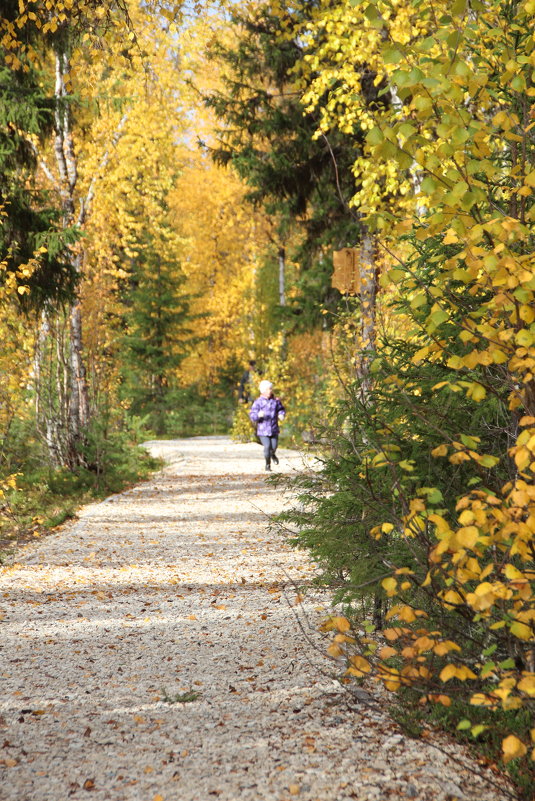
<point x="175" y="590"/>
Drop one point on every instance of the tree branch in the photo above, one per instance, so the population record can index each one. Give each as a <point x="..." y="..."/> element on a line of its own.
<point x="85" y="203"/>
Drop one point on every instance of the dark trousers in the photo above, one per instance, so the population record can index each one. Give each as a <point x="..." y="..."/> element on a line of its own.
<point x="270" y="446"/>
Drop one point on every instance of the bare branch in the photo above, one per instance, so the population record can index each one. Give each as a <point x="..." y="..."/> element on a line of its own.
<point x="85" y="203"/>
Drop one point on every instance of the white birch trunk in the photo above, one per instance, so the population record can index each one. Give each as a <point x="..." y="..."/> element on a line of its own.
<point x="282" y="277"/>
<point x="64" y="412"/>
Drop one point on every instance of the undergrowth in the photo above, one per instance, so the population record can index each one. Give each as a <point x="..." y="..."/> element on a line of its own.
<point x="44" y="497"/>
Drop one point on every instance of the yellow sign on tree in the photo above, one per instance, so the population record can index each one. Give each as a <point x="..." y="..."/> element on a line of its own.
<point x="346" y="274"/>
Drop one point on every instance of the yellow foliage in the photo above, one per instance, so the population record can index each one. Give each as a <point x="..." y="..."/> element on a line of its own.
<point x="432" y="157"/>
<point x="512" y="748"/>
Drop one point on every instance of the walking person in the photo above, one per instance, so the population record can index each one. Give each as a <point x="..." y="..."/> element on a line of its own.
<point x="266" y="412"/>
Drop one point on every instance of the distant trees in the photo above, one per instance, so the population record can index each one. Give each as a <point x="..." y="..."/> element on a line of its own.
<point x="158" y="335"/>
<point x="267" y="135"/>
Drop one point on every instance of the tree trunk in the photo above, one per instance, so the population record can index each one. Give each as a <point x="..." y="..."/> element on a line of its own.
<point x="64" y="414"/>
<point x="282" y="276"/>
<point x="368" y="296"/>
<point x="368" y="282"/>
<point x="78" y="412"/>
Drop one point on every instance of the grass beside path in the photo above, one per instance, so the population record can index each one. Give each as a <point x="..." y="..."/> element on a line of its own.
<point x="44" y="498"/>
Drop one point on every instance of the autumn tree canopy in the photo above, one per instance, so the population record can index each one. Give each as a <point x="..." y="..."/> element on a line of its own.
<point x="175" y="179"/>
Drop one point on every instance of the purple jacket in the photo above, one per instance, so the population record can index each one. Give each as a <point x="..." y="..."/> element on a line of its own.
<point x="267" y="412"/>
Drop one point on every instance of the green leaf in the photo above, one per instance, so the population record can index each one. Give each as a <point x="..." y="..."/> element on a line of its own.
<point x="392" y="55"/>
<point x="418" y="300"/>
<point x="396" y="275"/>
<point x="375" y="136"/>
<point x="438" y="317"/>
<point x="476" y="730"/>
<point x="488" y="461"/>
<point x="470" y="442"/>
<point x="518" y="83"/>
<point x="429" y="184"/>
<point x="487" y="668"/>
<point x="427" y="44"/>
<point x="416" y="75"/>
<point x="406" y="130"/>
<point x="464" y="724"/>
<point x="401" y="77"/>
<point x="460" y="135"/>
<point x="372" y="14"/>
<point x="433" y="494"/>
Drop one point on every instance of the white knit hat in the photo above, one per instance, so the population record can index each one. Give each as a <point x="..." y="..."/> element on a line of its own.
<point x="265" y="386"/>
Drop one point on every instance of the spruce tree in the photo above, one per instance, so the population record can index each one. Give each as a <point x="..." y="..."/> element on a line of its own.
<point x="157" y="336"/>
<point x="29" y="217"/>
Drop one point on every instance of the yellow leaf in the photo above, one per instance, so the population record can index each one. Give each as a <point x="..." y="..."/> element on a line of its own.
<point x="334" y="650"/>
<point x="386" y="651"/>
<point x="448" y="672"/>
<point x="341" y="623"/>
<point x="445" y="700"/>
<point x="477" y="392"/>
<point x="479" y="699"/>
<point x="423" y="643"/>
<point x="451" y="237"/>
<point x="360" y="663"/>
<point x="407" y="614"/>
<point x="513" y="748"/>
<point x="521" y="630"/>
<point x="452" y="598"/>
<point x="467" y="536"/>
<point x="390" y="585"/>
<point x="512" y="572"/>
<point x="527" y="684"/>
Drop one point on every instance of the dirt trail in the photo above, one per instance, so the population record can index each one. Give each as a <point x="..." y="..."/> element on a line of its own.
<point x="176" y="587"/>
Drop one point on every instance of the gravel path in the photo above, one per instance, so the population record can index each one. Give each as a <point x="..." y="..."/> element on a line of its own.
<point x="176" y="587"/>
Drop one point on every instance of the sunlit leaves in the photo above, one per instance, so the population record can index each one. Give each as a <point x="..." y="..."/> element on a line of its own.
<point x="448" y="158"/>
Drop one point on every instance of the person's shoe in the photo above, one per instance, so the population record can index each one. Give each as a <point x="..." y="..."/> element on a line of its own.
<point x="275" y="458"/>
<point x="268" y="467"/>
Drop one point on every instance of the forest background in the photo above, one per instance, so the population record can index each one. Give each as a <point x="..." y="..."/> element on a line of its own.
<point x="175" y="180"/>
